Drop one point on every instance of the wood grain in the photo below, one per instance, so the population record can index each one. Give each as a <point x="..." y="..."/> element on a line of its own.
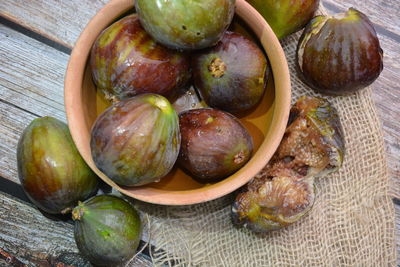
<point x="35" y="240"/>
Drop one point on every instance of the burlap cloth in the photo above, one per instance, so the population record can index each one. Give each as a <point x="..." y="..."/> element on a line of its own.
<point x="352" y="222"/>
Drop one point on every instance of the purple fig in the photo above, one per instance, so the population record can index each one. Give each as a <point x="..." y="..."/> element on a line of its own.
<point x="126" y="61"/>
<point x="340" y="54"/>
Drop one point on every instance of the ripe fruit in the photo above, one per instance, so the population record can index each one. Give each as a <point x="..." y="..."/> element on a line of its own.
<point x="340" y="54"/>
<point x="232" y="75"/>
<point x="186" y="24"/>
<point x="136" y="141"/>
<point x="214" y="144"/>
<point x="126" y="61"/>
<point x="52" y="172"/>
<point x="107" y="230"/>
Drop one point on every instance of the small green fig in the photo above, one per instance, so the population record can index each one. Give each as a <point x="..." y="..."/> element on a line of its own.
<point x="186" y="24"/>
<point x="286" y="16"/>
<point x="340" y="54"/>
<point x="107" y="230"/>
<point x="52" y="172"/>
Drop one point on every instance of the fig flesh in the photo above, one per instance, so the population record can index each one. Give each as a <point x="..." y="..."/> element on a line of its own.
<point x="52" y="172"/>
<point x="186" y="24"/>
<point x="283" y="191"/>
<point x="107" y="230"/>
<point x="214" y="144"/>
<point x="340" y="54"/>
<point x="286" y="16"/>
<point x="136" y="141"/>
<point x="232" y="75"/>
<point x="125" y="61"/>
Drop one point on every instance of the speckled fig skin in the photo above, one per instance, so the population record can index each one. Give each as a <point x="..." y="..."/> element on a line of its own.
<point x="214" y="144"/>
<point x="286" y="16"/>
<point x="51" y="171"/>
<point x="186" y="24"/>
<point x="125" y="61"/>
<point x="107" y="230"/>
<point x="136" y="141"/>
<point x="341" y="54"/>
<point x="232" y="75"/>
<point x="283" y="191"/>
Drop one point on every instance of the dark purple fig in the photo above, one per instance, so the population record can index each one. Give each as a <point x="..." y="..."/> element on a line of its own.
<point x="283" y="191"/>
<point x="52" y="172"/>
<point x="126" y="61"/>
<point x="186" y="24"/>
<point x="286" y="16"/>
<point x="136" y="141"/>
<point x="107" y="230"/>
<point x="214" y="144"/>
<point x="340" y="54"/>
<point x="232" y="75"/>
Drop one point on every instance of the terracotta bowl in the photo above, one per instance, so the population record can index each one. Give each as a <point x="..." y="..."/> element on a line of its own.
<point x="266" y="123"/>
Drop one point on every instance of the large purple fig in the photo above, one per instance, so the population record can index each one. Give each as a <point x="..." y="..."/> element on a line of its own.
<point x="232" y="75"/>
<point x="52" y="172"/>
<point x="186" y="24"/>
<point x="340" y="54"/>
<point x="286" y="16"/>
<point x="126" y="61"/>
<point x="136" y="141"/>
<point x="214" y="144"/>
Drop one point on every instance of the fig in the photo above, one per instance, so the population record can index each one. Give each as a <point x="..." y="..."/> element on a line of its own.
<point x="125" y="61"/>
<point x="214" y="144"/>
<point x="340" y="54"/>
<point x="136" y="141"/>
<point x="186" y="24"/>
<point x="286" y="16"/>
<point x="283" y="191"/>
<point x="107" y="230"/>
<point x="51" y="171"/>
<point x="232" y="75"/>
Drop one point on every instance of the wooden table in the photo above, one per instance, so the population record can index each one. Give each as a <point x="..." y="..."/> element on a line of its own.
<point x="36" y="38"/>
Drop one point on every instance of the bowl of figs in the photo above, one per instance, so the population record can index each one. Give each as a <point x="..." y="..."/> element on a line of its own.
<point x="177" y="102"/>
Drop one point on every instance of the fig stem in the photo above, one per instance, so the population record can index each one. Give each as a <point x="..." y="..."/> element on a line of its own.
<point x="217" y="67"/>
<point x="66" y="210"/>
<point x="77" y="212"/>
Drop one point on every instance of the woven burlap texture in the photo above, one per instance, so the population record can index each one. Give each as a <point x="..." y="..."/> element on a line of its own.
<point x="351" y="224"/>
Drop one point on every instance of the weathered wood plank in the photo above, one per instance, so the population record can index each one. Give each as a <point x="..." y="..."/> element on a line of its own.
<point x="35" y="240"/>
<point x="58" y="20"/>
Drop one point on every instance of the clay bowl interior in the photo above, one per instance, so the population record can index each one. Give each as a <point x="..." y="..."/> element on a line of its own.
<point x="266" y="123"/>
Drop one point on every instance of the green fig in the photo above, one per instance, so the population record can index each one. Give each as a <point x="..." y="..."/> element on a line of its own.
<point x="52" y="172"/>
<point x="136" y="141"/>
<point x="286" y="16"/>
<point x="340" y="54"/>
<point x="186" y="24"/>
<point x="107" y="230"/>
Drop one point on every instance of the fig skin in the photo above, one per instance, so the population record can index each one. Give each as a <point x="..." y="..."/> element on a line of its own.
<point x="107" y="230"/>
<point x="136" y="141"/>
<point x="341" y="54"/>
<point x="125" y="61"/>
<point x="286" y="16"/>
<point x="51" y="171"/>
<point x="186" y="24"/>
<point x="231" y="76"/>
<point x="214" y="144"/>
<point x="283" y="192"/>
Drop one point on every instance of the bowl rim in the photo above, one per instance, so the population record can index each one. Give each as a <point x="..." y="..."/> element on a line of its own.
<point x="280" y="71"/>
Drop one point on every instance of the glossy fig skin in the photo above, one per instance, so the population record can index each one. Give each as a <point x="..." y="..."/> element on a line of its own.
<point x="286" y="16"/>
<point x="214" y="144"/>
<point x="232" y="75"/>
<point x="283" y="192"/>
<point x="107" y="230"/>
<point x="341" y="54"/>
<point x="136" y="141"/>
<point x="125" y="61"/>
<point x="51" y="171"/>
<point x="186" y="24"/>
